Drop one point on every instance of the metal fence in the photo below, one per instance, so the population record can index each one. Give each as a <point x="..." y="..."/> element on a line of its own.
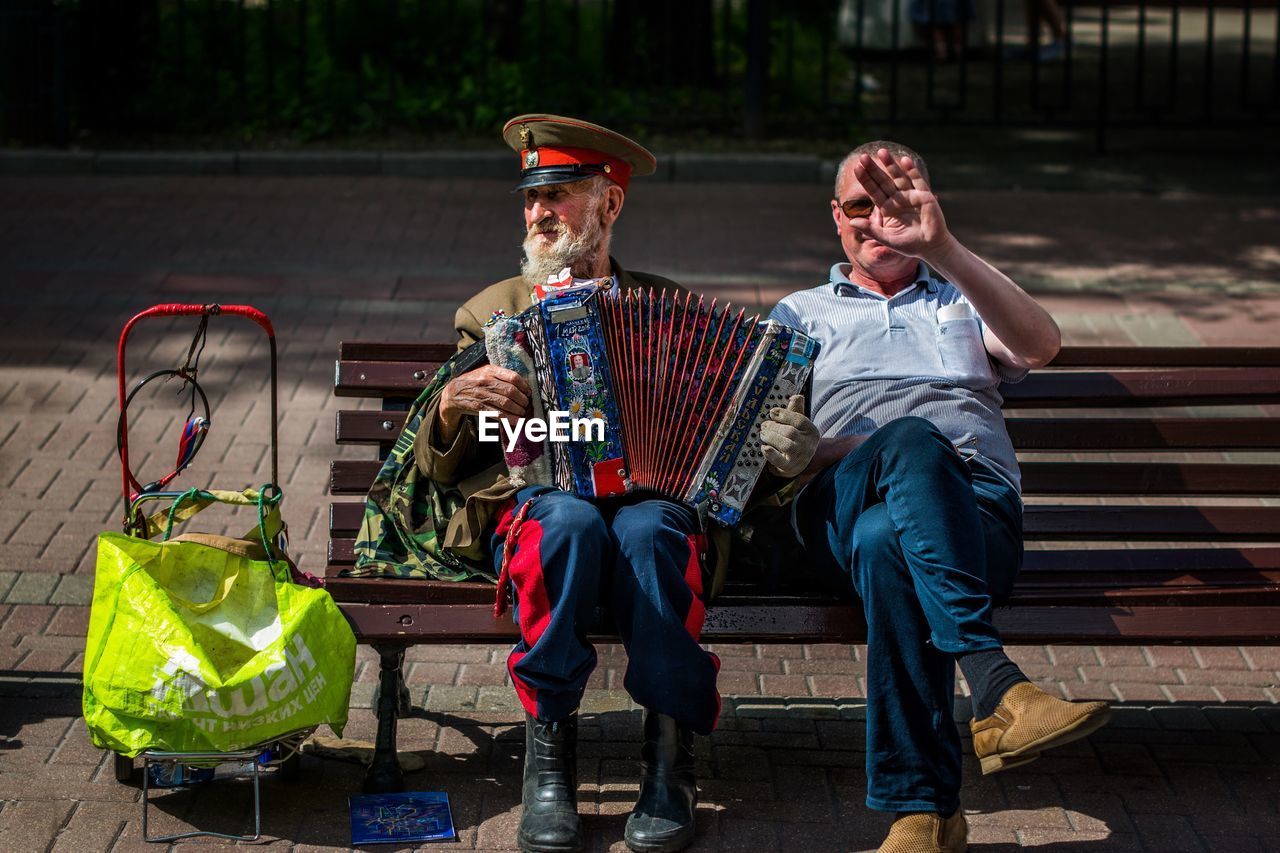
<point x="122" y="70"/>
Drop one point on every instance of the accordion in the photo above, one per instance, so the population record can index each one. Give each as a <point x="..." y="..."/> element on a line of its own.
<point x="681" y="386"/>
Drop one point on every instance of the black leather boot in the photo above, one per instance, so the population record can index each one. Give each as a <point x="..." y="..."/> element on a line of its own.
<point x="663" y="819"/>
<point x="550" y="822"/>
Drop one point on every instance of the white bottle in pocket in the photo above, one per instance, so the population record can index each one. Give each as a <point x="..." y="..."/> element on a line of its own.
<point x="964" y="356"/>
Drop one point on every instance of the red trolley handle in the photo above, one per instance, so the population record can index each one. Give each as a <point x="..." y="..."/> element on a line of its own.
<point x="130" y="484"/>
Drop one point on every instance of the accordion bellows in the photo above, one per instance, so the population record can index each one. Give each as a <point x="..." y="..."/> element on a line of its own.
<point x="681" y="384"/>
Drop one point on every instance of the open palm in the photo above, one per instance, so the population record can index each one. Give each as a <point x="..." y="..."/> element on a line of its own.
<point x="907" y="217"/>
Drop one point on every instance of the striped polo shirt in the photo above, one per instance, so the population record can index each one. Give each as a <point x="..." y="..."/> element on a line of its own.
<point x="883" y="359"/>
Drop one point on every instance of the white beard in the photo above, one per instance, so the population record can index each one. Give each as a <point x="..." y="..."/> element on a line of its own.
<point x="542" y="261"/>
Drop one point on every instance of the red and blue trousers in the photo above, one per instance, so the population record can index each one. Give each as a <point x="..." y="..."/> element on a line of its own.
<point x="639" y="559"/>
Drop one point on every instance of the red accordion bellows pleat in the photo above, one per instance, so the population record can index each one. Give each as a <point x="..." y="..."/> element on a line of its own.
<point x="675" y="364"/>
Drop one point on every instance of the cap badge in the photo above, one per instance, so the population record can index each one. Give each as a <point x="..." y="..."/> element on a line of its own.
<point x="531" y="159"/>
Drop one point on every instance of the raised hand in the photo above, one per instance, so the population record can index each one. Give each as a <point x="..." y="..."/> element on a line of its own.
<point x="907" y="217"/>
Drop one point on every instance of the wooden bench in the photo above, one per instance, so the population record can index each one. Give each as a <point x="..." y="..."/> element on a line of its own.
<point x="1146" y="517"/>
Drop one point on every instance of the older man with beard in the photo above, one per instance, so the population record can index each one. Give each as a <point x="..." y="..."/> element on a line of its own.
<point x="644" y="558"/>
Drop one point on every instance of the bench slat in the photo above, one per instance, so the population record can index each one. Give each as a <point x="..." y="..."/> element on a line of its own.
<point x="382" y="351"/>
<point x="1032" y="587"/>
<point x="839" y="623"/>
<point x="1175" y="523"/>
<point x="1120" y="562"/>
<point x="1054" y="523"/>
<point x="1152" y="434"/>
<point x="357" y="426"/>
<point x="1180" y="386"/>
<point x="1162" y="387"/>
<point x="395" y="590"/>
<point x="383" y="378"/>
<point x="1243" y="588"/>
<point x="1070" y="356"/>
<point x="1150" y="478"/>
<point x="360" y="426"/>
<point x="354" y="476"/>
<point x="1126" y="561"/>
<point x="1102" y="356"/>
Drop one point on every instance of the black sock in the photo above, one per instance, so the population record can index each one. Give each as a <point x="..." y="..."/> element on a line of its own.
<point x="989" y="674"/>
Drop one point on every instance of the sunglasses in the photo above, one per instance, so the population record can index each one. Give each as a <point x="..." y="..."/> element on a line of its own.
<point x="856" y="208"/>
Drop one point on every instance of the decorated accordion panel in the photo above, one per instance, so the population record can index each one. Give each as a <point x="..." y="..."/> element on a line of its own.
<point x="682" y="386"/>
<point x="573" y="376"/>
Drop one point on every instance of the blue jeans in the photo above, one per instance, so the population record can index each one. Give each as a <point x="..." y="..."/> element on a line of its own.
<point x="924" y="540"/>
<point x="642" y="559"/>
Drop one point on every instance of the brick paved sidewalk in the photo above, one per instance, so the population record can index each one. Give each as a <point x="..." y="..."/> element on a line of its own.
<point x="376" y="258"/>
<point x="777" y="775"/>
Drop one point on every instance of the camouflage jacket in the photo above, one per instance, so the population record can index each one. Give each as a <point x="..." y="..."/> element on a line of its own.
<point x="405" y="513"/>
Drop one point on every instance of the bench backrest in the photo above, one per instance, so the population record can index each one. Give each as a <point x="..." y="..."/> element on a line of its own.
<point x="1150" y="474"/>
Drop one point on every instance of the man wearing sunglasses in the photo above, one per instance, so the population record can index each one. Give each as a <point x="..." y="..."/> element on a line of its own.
<point x="912" y="503"/>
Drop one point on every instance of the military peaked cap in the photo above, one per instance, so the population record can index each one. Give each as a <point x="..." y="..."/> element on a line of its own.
<point x="560" y="150"/>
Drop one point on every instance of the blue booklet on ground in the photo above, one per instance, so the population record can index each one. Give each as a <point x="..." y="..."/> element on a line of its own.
<point x="390" y="818"/>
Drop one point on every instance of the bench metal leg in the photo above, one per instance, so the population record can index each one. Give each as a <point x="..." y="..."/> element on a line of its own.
<point x="384" y="775"/>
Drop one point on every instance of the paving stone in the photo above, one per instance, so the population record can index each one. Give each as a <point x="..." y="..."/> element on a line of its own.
<point x="1073" y="655"/>
<point x="1171" y="656"/>
<point x="1231" y="677"/>
<point x="32" y="588"/>
<point x="69" y="621"/>
<point x="738" y="683"/>
<point x="1262" y="658"/>
<point x="1234" y="719"/>
<point x="497" y="698"/>
<point x="30" y="824"/>
<point x="760" y="707"/>
<point x="815" y="709"/>
<point x="1189" y="693"/>
<point x="1221" y="658"/>
<point x="1133" y="656"/>
<point x="72" y="589"/>
<point x="1243" y="695"/>
<point x="442" y="697"/>
<point x="24" y="619"/>
<point x="1135" y="692"/>
<point x="1169" y="832"/>
<point x="1132" y="718"/>
<point x="1135" y="674"/>
<point x="784" y="685"/>
<point x="1182" y="718"/>
<point x="822" y="651"/>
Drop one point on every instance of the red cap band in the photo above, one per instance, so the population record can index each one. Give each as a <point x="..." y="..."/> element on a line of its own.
<point x="616" y="170"/>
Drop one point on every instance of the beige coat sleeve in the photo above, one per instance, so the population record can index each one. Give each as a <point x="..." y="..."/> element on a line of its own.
<point x="449" y="465"/>
<point x="469" y="328"/>
<point x="445" y="465"/>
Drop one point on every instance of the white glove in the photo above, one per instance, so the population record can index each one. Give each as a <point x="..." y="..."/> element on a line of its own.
<point x="788" y="439"/>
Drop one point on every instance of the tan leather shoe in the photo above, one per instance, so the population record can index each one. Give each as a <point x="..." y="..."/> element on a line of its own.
<point x="927" y="833"/>
<point x="1028" y="721"/>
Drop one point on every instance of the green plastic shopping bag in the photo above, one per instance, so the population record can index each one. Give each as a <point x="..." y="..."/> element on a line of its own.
<point x="201" y="642"/>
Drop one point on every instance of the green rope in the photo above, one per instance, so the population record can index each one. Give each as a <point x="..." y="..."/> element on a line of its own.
<point x="189" y="493"/>
<point x="264" y="505"/>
